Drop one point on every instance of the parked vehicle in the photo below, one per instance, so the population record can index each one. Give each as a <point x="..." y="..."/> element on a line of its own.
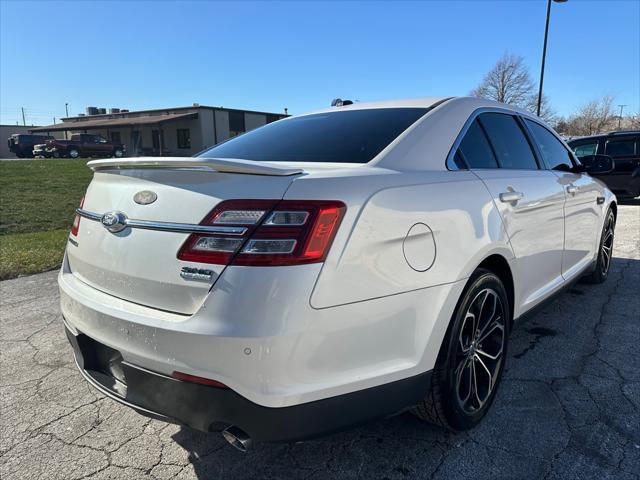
<point x="84" y="145"/>
<point x="22" y="144"/>
<point x="624" y="148"/>
<point x="40" y="151"/>
<point x="331" y="268"/>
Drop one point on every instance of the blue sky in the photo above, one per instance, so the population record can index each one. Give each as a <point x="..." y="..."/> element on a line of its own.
<point x="300" y="55"/>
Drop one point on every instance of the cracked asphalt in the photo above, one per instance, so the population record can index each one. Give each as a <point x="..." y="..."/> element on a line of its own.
<point x="568" y="407"/>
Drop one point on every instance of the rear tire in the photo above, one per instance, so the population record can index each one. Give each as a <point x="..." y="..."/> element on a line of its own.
<point x="117" y="153"/>
<point x="474" y="348"/>
<point x="605" y="251"/>
<point x="74" y="153"/>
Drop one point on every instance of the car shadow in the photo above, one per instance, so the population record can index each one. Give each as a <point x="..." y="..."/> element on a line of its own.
<point x="523" y="432"/>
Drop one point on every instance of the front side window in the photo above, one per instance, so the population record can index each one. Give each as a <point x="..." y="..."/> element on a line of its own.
<point x="475" y="148"/>
<point x="349" y="136"/>
<point x="553" y="152"/>
<point x="184" y="138"/>
<point x="620" y="147"/>
<point x="508" y="141"/>
<point x="585" y="149"/>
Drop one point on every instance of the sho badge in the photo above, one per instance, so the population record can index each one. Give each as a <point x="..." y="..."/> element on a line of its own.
<point x="190" y="273"/>
<point x="145" y="197"/>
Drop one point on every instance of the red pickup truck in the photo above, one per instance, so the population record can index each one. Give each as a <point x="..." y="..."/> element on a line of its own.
<point x="84" y="145"/>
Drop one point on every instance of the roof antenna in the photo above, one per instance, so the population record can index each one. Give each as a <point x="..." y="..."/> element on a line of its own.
<point x="338" y="102"/>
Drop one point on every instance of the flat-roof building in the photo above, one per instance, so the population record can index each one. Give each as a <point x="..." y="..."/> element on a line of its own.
<point x="177" y="132"/>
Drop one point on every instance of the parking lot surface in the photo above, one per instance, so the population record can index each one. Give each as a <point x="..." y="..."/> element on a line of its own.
<point x="568" y="407"/>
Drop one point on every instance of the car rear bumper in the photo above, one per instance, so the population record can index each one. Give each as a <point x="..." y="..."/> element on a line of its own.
<point x="210" y="409"/>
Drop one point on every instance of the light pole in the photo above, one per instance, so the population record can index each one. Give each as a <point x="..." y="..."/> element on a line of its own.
<point x="66" y="109"/>
<point x="544" y="52"/>
<point x="620" y="117"/>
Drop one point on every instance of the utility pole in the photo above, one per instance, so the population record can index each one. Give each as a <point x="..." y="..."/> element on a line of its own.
<point x="620" y="117"/>
<point x="24" y="123"/>
<point x="54" y="120"/>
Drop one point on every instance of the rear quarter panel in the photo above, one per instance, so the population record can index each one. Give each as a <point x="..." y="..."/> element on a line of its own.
<point x="369" y="260"/>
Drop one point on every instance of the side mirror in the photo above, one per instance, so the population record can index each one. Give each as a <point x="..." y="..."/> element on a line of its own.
<point x="597" y="164"/>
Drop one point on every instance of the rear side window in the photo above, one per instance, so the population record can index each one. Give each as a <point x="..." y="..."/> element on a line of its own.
<point x="623" y="147"/>
<point x="508" y="141"/>
<point x="475" y="149"/>
<point x="554" y="153"/>
<point x="585" y="149"/>
<point x="350" y="136"/>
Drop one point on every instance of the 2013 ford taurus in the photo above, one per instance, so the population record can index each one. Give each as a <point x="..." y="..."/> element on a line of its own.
<point x="330" y="268"/>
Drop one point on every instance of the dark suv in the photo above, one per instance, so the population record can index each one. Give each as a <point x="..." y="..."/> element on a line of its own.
<point x="624" y="148"/>
<point x="22" y="144"/>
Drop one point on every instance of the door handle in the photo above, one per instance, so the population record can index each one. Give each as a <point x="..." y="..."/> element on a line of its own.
<point x="508" y="197"/>
<point x="572" y="189"/>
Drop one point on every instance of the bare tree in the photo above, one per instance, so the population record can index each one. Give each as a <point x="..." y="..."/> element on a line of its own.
<point x="595" y="116"/>
<point x="509" y="82"/>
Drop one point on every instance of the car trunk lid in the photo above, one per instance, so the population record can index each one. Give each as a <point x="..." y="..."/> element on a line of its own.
<point x="141" y="265"/>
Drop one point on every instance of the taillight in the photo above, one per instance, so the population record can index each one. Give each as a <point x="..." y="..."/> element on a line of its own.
<point x="76" y="221"/>
<point x="286" y="232"/>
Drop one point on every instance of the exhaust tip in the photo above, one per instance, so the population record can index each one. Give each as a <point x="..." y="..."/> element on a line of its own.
<point x="237" y="438"/>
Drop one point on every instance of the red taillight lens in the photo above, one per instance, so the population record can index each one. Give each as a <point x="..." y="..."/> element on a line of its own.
<point x="76" y="221"/>
<point x="287" y="232"/>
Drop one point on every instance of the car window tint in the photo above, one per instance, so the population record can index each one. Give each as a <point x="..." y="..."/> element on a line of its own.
<point x="620" y="147"/>
<point x="348" y="136"/>
<point x="554" y="153"/>
<point x="475" y="148"/>
<point x="508" y="141"/>
<point x="585" y="149"/>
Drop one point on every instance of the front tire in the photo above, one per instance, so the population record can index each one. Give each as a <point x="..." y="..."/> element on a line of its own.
<point x="74" y="153"/>
<point x="118" y="153"/>
<point x="605" y="250"/>
<point x="472" y="356"/>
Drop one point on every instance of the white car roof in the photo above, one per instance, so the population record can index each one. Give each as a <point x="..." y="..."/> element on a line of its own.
<point x="424" y="102"/>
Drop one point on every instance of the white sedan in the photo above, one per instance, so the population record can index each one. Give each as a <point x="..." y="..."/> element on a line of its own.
<point x="329" y="268"/>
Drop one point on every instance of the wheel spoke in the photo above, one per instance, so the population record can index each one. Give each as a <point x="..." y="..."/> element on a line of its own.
<point x="491" y="376"/>
<point x="463" y="369"/>
<point x="490" y="328"/>
<point x="467" y="330"/>
<point x="484" y="316"/>
<point x="475" y="385"/>
<point x="488" y="355"/>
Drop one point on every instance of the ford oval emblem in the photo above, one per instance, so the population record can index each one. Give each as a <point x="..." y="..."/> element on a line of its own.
<point x="145" y="197"/>
<point x="114" y="221"/>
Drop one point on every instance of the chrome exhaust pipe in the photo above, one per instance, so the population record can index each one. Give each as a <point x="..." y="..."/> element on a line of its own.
<point x="237" y="438"/>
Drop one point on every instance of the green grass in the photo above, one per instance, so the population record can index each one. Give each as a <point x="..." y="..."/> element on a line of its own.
<point x="40" y="195"/>
<point x="37" y="201"/>
<point x="27" y="253"/>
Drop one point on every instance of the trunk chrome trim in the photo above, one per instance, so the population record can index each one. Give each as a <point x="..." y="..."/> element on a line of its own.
<point x="165" y="226"/>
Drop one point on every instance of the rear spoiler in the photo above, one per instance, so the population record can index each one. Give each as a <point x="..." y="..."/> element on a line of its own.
<point x="231" y="165"/>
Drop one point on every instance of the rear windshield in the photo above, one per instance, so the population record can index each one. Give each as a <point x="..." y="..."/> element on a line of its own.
<point x="350" y="136"/>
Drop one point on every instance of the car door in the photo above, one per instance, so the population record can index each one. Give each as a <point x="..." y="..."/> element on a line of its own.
<point x="581" y="211"/>
<point x="625" y="151"/>
<point x="529" y="199"/>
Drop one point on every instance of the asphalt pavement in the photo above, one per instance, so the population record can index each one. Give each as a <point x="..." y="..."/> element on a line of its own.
<point x="568" y="406"/>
